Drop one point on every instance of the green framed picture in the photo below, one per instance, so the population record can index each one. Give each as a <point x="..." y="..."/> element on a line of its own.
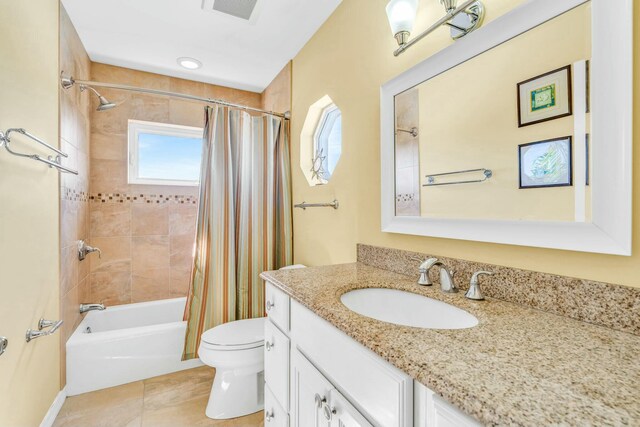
<point x="545" y="97"/>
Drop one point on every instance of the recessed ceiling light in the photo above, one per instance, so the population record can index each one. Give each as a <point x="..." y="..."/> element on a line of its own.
<point x="189" y="63"/>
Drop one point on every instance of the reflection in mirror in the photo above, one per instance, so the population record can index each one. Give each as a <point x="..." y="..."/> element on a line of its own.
<point x="502" y="136"/>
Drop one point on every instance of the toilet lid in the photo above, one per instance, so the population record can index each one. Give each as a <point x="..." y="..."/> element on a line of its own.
<point x="240" y="333"/>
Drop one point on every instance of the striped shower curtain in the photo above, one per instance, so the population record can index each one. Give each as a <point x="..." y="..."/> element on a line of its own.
<point x="244" y="221"/>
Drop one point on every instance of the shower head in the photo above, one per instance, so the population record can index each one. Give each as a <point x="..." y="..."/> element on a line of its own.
<point x="68" y="82"/>
<point x="105" y="104"/>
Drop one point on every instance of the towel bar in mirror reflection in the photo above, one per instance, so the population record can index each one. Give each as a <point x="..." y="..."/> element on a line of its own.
<point x="431" y="179"/>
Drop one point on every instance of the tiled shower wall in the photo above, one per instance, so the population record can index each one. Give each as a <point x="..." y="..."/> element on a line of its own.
<point x="146" y="233"/>
<point x="74" y="190"/>
<point x="407" y="155"/>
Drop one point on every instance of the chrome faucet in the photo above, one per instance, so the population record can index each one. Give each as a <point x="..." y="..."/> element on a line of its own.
<point x="424" y="269"/>
<point x="90" y="307"/>
<point x="84" y="249"/>
<point x="474" y="292"/>
<point x="447" y="283"/>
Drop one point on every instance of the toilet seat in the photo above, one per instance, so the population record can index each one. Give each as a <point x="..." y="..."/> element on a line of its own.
<point x="233" y="336"/>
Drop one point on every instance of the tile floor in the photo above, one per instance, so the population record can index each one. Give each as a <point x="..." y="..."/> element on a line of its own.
<point x="172" y="400"/>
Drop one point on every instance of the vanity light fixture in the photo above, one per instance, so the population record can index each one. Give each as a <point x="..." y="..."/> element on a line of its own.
<point x="461" y="20"/>
<point x="189" y="63"/>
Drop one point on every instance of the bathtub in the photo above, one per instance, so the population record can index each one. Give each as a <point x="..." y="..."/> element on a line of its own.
<point x="126" y="343"/>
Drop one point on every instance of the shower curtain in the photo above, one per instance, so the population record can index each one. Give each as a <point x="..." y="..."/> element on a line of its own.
<point x="244" y="221"/>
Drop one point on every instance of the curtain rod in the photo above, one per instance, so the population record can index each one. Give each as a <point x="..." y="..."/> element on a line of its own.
<point x="67" y="82"/>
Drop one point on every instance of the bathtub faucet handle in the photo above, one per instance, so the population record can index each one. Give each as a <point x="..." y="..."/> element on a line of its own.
<point x="84" y="250"/>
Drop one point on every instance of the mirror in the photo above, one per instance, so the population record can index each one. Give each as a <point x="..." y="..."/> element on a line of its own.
<point x="508" y="136"/>
<point x="479" y="116"/>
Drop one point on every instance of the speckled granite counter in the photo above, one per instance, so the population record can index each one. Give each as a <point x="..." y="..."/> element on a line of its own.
<point x="519" y="366"/>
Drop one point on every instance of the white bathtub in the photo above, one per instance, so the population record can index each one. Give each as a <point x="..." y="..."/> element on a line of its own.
<point x="127" y="343"/>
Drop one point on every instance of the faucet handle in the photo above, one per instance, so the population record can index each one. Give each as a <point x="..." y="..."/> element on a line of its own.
<point x="474" y="292"/>
<point x="424" y="268"/>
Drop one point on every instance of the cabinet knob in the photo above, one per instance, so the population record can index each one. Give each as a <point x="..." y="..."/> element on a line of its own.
<point x="269" y="345"/>
<point x="328" y="412"/>
<point x="320" y="401"/>
<point x="269" y="416"/>
<point x="270" y="305"/>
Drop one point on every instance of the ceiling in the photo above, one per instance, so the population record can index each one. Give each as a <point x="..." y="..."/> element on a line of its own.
<point x="150" y="35"/>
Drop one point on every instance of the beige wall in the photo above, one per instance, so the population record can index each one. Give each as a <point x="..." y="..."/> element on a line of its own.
<point x="349" y="58"/>
<point x="74" y="190"/>
<point x="469" y="120"/>
<point x="146" y="232"/>
<point x="29" y="193"/>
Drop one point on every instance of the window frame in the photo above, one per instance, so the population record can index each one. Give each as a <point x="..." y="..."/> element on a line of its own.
<point x="136" y="127"/>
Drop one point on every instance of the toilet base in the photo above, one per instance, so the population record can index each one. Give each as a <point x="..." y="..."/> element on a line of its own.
<point x="235" y="393"/>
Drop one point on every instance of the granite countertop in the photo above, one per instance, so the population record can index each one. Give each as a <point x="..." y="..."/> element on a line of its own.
<point x="519" y="366"/>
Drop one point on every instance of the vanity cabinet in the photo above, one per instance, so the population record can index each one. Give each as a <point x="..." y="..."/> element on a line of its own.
<point x="317" y="376"/>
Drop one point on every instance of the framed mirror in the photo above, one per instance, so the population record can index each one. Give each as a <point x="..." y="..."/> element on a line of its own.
<point x="520" y="133"/>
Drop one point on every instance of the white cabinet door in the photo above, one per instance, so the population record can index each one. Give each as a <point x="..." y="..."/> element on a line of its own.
<point x="310" y="393"/>
<point x="276" y="363"/>
<point x="274" y="415"/>
<point x="343" y="414"/>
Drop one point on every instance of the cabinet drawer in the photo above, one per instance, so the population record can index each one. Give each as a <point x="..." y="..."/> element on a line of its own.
<point x="276" y="363"/>
<point x="274" y="415"/>
<point x="277" y="305"/>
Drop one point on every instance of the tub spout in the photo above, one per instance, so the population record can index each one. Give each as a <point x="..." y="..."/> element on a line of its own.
<point x="90" y="307"/>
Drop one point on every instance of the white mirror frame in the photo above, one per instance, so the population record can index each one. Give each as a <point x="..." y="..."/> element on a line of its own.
<point x="611" y="93"/>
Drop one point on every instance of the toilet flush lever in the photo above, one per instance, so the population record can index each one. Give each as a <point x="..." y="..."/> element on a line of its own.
<point x="268" y="416"/>
<point x="4" y="342"/>
<point x="268" y="345"/>
<point x="269" y="305"/>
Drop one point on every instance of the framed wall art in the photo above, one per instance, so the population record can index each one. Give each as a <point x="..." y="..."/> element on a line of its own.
<point x="545" y="163"/>
<point x="545" y="97"/>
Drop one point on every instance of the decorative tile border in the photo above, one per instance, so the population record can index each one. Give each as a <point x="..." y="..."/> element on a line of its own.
<point x="73" y="195"/>
<point x="613" y="306"/>
<point x="143" y="198"/>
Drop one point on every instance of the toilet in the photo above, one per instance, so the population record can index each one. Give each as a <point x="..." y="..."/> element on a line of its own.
<point x="235" y="349"/>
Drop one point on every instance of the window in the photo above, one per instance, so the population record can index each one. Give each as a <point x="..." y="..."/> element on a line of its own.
<point x="164" y="154"/>
<point x="328" y="139"/>
<point x="321" y="141"/>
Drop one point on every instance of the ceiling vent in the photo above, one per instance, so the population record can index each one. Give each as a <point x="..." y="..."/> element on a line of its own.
<point x="242" y="9"/>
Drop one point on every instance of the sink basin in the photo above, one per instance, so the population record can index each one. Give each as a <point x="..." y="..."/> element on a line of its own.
<point x="408" y="309"/>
